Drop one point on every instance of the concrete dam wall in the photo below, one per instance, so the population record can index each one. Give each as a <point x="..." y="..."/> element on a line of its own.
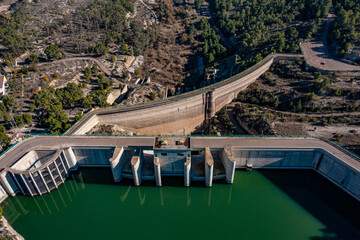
<point x="180" y="114"/>
<point x="40" y="171"/>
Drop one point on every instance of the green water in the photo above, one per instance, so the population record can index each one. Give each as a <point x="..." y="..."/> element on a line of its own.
<point x="276" y="204"/>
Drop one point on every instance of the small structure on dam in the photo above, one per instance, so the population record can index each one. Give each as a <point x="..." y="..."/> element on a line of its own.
<point x="38" y="170"/>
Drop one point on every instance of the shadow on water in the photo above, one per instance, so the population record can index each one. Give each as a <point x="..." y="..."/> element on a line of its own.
<point x="104" y="176"/>
<point x="321" y="198"/>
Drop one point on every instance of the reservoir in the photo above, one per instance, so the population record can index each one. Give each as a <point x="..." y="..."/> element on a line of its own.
<point x="261" y="204"/>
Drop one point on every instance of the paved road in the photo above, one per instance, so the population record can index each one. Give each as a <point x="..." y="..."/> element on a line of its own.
<point x="317" y="55"/>
<point x="56" y="142"/>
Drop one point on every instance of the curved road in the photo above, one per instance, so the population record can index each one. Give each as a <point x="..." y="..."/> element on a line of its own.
<point x="317" y="55"/>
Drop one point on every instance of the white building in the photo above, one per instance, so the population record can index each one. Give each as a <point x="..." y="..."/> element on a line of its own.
<point x="2" y="84"/>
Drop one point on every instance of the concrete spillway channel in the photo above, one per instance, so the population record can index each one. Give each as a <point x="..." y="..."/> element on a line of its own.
<point x="34" y="170"/>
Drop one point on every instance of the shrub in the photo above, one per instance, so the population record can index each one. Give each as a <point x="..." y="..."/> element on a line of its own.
<point x="152" y="96"/>
<point x="137" y="71"/>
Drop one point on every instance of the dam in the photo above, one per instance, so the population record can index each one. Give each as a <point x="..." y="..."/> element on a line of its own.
<point x="179" y="114"/>
<point x="32" y="170"/>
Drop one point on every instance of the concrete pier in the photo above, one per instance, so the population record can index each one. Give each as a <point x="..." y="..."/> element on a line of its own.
<point x="136" y="170"/>
<point x="209" y="167"/>
<point x="157" y="172"/>
<point x="229" y="165"/>
<point x="70" y="157"/>
<point x="116" y="164"/>
<point x="4" y="182"/>
<point x="187" y="172"/>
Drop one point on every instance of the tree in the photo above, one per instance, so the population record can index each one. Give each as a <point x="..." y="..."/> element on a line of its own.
<point x="27" y="119"/>
<point x="152" y="96"/>
<point x="19" y="120"/>
<point x="56" y="76"/>
<point x="113" y="58"/>
<point x="338" y="92"/>
<point x="198" y="4"/>
<point x="100" y="49"/>
<point x="312" y="96"/>
<point x="299" y="106"/>
<point x="33" y="58"/>
<point x="78" y="116"/>
<point x="10" y="103"/>
<point x="137" y="71"/>
<point x="101" y="77"/>
<point x="94" y="69"/>
<point x="330" y="121"/>
<point x="4" y="139"/>
<point x="53" y="52"/>
<point x="276" y="102"/>
<point x="292" y="34"/>
<point x="204" y="24"/>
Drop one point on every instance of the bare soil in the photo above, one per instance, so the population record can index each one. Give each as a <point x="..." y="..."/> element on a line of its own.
<point x="333" y="113"/>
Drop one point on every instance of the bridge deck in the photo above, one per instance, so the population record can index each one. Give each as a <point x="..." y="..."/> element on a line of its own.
<point x="56" y="142"/>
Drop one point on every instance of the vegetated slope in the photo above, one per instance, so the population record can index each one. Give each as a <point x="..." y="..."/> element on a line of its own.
<point x="344" y="35"/>
<point x="291" y="99"/>
<point x="74" y="27"/>
<point x="264" y="26"/>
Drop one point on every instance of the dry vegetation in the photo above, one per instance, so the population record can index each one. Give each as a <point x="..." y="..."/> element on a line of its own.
<point x="290" y="99"/>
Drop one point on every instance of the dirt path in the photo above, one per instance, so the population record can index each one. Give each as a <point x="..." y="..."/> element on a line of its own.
<point x="153" y="13"/>
<point x="317" y="55"/>
<point x="100" y="65"/>
<point x="239" y="129"/>
<point x="232" y="105"/>
<point x="205" y="12"/>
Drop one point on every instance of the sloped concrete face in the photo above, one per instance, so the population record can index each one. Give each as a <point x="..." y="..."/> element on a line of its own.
<point x="229" y="164"/>
<point x="177" y="115"/>
<point x="209" y="168"/>
<point x="93" y="156"/>
<point x="274" y="158"/>
<point x="116" y="163"/>
<point x="187" y="172"/>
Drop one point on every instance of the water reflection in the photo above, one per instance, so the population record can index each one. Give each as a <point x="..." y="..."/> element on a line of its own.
<point x="256" y="198"/>
<point x="49" y="203"/>
<point x="67" y="193"/>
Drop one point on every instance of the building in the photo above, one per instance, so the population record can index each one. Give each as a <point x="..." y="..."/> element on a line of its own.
<point x="2" y="84"/>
